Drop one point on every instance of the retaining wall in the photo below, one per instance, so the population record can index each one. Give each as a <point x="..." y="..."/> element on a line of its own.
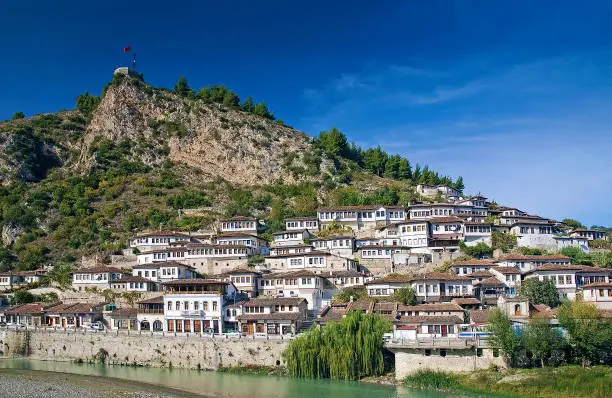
<point x="141" y="349"/>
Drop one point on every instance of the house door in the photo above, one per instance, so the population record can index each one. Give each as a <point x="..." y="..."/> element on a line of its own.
<point x="444" y="331"/>
<point x="63" y="322"/>
<point x="197" y="326"/>
<point x="442" y="289"/>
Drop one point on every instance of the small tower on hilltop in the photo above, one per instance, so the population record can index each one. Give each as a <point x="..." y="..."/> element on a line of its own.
<point x="131" y="69"/>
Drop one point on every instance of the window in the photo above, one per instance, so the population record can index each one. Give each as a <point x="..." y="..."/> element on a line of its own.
<point x="169" y="305"/>
<point x="196" y="305"/>
<point x="214" y="306"/>
<point x="186" y="305"/>
<point x="442" y="353"/>
<point x="177" y="306"/>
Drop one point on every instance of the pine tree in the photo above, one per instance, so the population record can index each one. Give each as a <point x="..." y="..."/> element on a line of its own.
<point x="182" y="87"/>
<point x="404" y="171"/>
<point x="459" y="184"/>
<point x="231" y="100"/>
<point x="392" y="167"/>
<point x="248" y="105"/>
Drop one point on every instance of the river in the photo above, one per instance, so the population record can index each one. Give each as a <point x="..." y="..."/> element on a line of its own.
<point x="224" y="385"/>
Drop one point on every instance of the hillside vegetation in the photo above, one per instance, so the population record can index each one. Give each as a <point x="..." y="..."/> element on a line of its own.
<point x="81" y="182"/>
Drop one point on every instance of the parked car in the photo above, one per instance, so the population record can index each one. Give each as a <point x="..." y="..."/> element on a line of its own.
<point x="209" y="331"/>
<point x="97" y="326"/>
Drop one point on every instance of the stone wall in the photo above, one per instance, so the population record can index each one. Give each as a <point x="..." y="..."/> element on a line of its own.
<point x="142" y="349"/>
<point x="408" y="361"/>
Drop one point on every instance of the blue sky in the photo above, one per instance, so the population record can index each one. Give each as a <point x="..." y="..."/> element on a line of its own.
<point x="514" y="96"/>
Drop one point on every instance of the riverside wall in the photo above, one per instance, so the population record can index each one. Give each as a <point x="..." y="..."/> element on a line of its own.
<point x="141" y="349"/>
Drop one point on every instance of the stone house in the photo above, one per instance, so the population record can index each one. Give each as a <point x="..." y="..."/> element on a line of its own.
<point x="150" y="314"/>
<point x="598" y="293"/>
<point x="98" y="277"/>
<point x="159" y="240"/>
<point x="73" y="315"/>
<point x="163" y="271"/>
<point x="248" y="225"/>
<point x="588" y="234"/>
<point x="132" y="283"/>
<point x="273" y="316"/>
<point x="298" y="224"/>
<point x="305" y="284"/>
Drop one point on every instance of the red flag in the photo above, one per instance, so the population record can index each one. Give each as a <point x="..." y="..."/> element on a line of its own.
<point x="126" y="49"/>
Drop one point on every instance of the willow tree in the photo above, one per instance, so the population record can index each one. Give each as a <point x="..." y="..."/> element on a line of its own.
<point x="345" y="350"/>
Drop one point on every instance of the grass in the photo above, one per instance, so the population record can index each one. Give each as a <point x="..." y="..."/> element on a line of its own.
<point x="253" y="370"/>
<point x="561" y="382"/>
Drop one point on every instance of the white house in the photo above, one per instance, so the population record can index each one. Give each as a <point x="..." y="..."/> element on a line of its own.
<point x="95" y="277"/>
<point x="159" y="240"/>
<point x="477" y="232"/>
<point x="509" y="276"/>
<point x="527" y="263"/>
<point x="434" y="190"/>
<point x="9" y="280"/>
<point x="426" y="211"/>
<point x="588" y="234"/>
<point x="248" y="225"/>
<point x="245" y="280"/>
<point x="409" y="233"/>
<point x="361" y="217"/>
<point x="290" y="237"/>
<point x="313" y="260"/>
<point x="534" y="233"/>
<point x="163" y="271"/>
<point x="150" y="314"/>
<point x="386" y="286"/>
<point x="273" y="315"/>
<point x="290" y="249"/>
<point x="438" y="287"/>
<point x="132" y="283"/>
<point x="305" y="284"/>
<point x="197" y="254"/>
<point x="299" y="224"/>
<point x="343" y="279"/>
<point x="572" y="241"/>
<point x="341" y="245"/>
<point x="468" y="267"/>
<point x="242" y="239"/>
<point x="599" y="293"/>
<point x="568" y="277"/>
<point x="195" y="305"/>
<point x="162" y="255"/>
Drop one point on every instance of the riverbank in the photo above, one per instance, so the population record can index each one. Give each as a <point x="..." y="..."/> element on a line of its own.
<point x="19" y="383"/>
<point x="561" y="382"/>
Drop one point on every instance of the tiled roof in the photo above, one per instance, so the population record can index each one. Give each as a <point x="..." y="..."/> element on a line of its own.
<point x="480" y="316"/>
<point x="239" y="218"/>
<point x="341" y="274"/>
<point x="440" y="276"/>
<point x="243" y="271"/>
<point x="391" y="279"/>
<point x="479" y="274"/>
<point x="353" y="208"/>
<point x="154" y="300"/>
<point x="194" y="281"/>
<point x="473" y="263"/>
<point x="163" y="233"/>
<point x="445" y="219"/>
<point x="466" y="301"/>
<point x="98" y="270"/>
<point x="124" y="313"/>
<point x="360" y="305"/>
<point x="522" y="257"/>
<point x="131" y="278"/>
<point x="374" y="247"/>
<point x="431" y="307"/>
<point x="236" y="235"/>
<point x="569" y="267"/>
<point x="597" y="285"/>
<point x="31" y="308"/>
<point x="431" y="320"/>
<point x="309" y="253"/>
<point x="275" y="316"/>
<point x="333" y="313"/>
<point x="161" y="264"/>
<point x="492" y="281"/>
<point x="506" y="270"/>
<point x="290" y="274"/>
<point x="268" y="301"/>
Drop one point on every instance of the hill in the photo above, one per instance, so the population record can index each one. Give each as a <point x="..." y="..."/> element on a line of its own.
<point x="81" y="182"/>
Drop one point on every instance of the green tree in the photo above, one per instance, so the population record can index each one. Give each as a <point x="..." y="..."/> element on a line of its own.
<point x="459" y="184"/>
<point x="404" y="170"/>
<point x="374" y="160"/>
<point x="504" y="336"/>
<point x="541" y="339"/>
<point x="248" y="105"/>
<point x="230" y="99"/>
<point x="577" y="255"/>
<point x="130" y="297"/>
<point x="392" y="167"/>
<point x="348" y="293"/>
<point x="182" y="87"/>
<point x="572" y="223"/>
<point x="540" y="292"/>
<point x="262" y="110"/>
<point x="22" y="297"/>
<point x="332" y="142"/>
<point x="62" y="274"/>
<point x="404" y="295"/>
<point x="479" y="250"/>
<point x="18" y="115"/>
<point x="345" y="350"/>
<point x="503" y="241"/>
<point x="87" y="103"/>
<point x="585" y="332"/>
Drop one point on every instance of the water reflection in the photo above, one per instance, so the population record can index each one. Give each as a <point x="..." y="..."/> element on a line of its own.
<point x="224" y="385"/>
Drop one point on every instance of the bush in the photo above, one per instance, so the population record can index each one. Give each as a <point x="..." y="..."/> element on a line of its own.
<point x="431" y="379"/>
<point x="87" y="103"/>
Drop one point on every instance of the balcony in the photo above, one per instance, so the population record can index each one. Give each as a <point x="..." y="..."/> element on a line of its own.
<point x="193" y="313"/>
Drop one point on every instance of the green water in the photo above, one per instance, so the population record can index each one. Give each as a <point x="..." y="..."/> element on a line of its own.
<point x="223" y="385"/>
